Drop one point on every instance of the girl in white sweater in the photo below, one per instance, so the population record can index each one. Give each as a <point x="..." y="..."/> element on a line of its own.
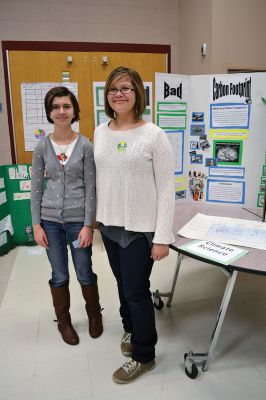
<point x="135" y="209"/>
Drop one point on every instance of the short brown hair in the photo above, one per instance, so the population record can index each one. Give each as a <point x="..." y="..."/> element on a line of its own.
<point x="60" y="91"/>
<point x="136" y="80"/>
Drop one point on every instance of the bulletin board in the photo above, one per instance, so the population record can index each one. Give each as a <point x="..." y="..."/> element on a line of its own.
<point x="86" y="67"/>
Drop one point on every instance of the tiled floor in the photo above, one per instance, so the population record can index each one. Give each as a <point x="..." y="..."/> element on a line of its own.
<point x="36" y="364"/>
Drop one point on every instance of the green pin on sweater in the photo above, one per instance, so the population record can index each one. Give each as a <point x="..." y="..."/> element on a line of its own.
<point x="121" y="147"/>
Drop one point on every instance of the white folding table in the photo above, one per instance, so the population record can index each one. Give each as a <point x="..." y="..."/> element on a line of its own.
<point x="253" y="262"/>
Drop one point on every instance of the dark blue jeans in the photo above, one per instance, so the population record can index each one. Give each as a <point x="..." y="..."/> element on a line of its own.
<point x="57" y="235"/>
<point x="132" y="267"/>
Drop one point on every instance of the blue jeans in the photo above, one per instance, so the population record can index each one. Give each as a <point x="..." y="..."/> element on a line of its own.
<point x="58" y="234"/>
<point x="132" y="267"/>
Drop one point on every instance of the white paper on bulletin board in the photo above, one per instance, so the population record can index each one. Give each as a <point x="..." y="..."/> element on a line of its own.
<point x="35" y="123"/>
<point x="6" y="225"/>
<point x="3" y="238"/>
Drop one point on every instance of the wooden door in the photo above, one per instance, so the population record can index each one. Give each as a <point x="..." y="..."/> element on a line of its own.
<point x="86" y="68"/>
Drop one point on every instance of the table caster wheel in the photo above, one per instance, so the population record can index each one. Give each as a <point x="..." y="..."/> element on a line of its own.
<point x="157" y="302"/>
<point x="191" y="369"/>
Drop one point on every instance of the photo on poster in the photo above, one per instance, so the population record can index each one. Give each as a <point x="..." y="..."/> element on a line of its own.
<point x="196" y="158"/>
<point x="196" y="184"/>
<point x="263" y="180"/>
<point x="197" y="174"/>
<point x="228" y="152"/>
<point x="181" y="194"/>
<point x="211" y="162"/>
<point x="204" y="144"/>
<point x="194" y="145"/>
<point x="197" y="130"/>
<point x="197" y="116"/>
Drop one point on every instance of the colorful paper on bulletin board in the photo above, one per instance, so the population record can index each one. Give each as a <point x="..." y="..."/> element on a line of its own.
<point x="171" y="121"/>
<point x="4" y="207"/>
<point x="65" y="76"/>
<point x="171" y="106"/>
<point x="229" y="134"/>
<point x="260" y="200"/>
<point x="17" y="181"/>
<point x="180" y="188"/>
<point x="180" y="184"/>
<point x="6" y="239"/>
<point x="6" y="243"/>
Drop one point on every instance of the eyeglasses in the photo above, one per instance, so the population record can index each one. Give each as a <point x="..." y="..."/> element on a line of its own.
<point x="123" y="90"/>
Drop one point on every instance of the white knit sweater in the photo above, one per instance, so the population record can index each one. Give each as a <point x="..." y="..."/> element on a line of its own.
<point x="135" y="180"/>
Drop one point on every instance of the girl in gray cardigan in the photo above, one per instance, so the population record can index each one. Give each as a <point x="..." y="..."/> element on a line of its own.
<point x="63" y="209"/>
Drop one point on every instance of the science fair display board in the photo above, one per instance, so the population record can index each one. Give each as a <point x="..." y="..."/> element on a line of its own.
<point x="217" y="127"/>
<point x="15" y="214"/>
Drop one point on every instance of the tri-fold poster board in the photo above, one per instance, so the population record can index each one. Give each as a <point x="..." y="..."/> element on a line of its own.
<point x="216" y="124"/>
<point x="15" y="215"/>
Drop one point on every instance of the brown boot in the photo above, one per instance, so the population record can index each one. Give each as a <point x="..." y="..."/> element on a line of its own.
<point x="61" y="301"/>
<point x="93" y="308"/>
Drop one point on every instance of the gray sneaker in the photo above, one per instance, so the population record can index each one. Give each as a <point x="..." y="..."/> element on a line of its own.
<point x="131" y="370"/>
<point x="126" y="346"/>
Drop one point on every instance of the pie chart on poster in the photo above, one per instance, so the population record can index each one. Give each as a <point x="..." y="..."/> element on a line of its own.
<point x="39" y="133"/>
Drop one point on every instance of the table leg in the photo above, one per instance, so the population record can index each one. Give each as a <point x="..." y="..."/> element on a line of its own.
<point x="192" y="358"/>
<point x="158" y="303"/>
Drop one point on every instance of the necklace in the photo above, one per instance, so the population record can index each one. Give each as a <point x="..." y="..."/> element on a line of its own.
<point x="62" y="155"/>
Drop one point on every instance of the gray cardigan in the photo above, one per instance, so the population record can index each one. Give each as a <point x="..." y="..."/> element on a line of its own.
<point x="69" y="192"/>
